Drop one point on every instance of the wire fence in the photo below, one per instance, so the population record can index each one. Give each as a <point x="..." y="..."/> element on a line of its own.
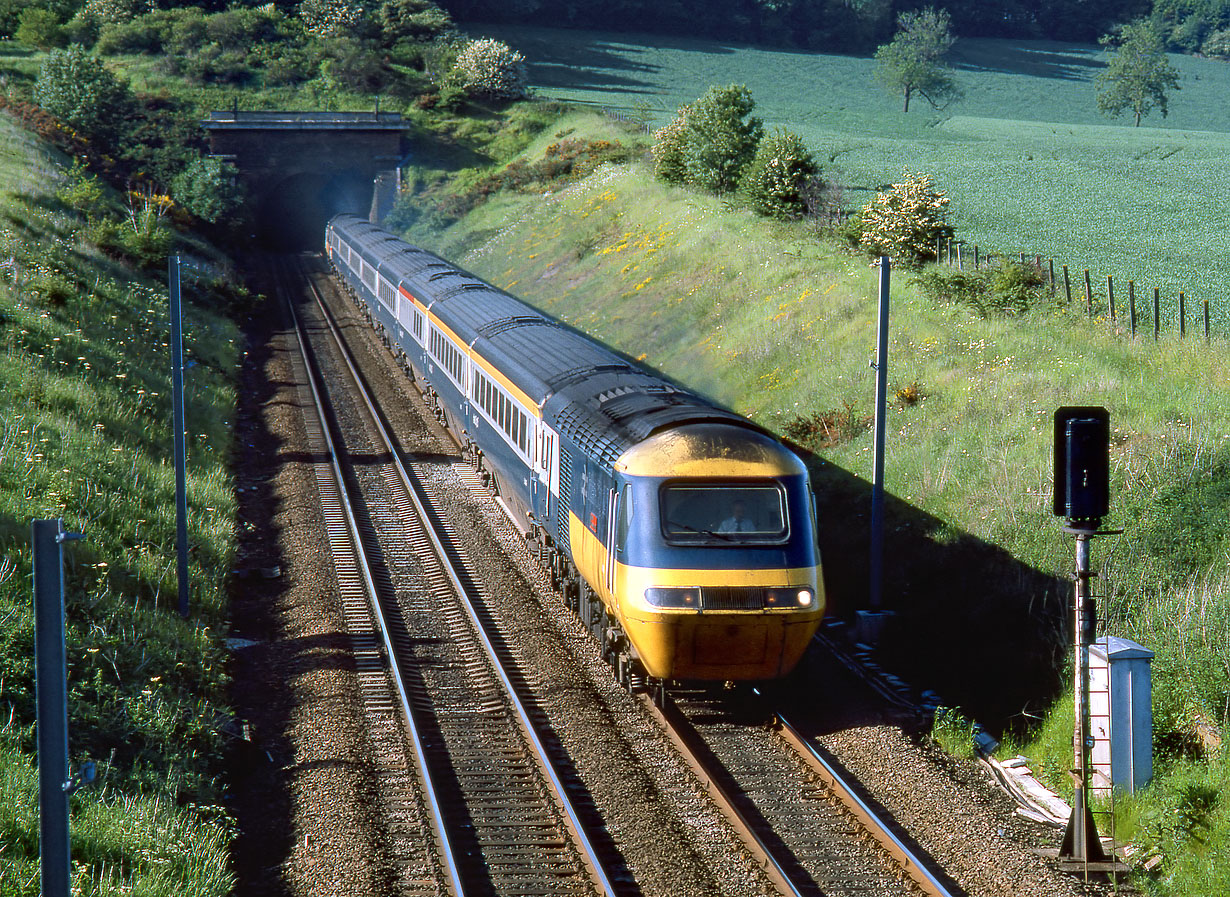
<point x="1131" y="310"/>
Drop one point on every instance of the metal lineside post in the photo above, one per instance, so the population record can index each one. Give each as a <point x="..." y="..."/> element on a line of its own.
<point x="181" y="460"/>
<point x="51" y="691"/>
<point x="877" y="479"/>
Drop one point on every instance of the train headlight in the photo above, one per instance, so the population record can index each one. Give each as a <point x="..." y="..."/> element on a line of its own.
<point x="789" y="597"/>
<point x="661" y="597"/>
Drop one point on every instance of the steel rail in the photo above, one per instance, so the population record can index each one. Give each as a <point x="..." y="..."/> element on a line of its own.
<point x="413" y="490"/>
<point x="688" y="743"/>
<point x="451" y="867"/>
<point x="919" y="875"/>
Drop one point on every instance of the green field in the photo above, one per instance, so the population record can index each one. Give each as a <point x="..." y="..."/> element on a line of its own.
<point x="1030" y="164"/>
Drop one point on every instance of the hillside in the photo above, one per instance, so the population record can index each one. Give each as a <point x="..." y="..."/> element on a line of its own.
<point x="1030" y="164"/>
<point x="85" y="434"/>
<point x="779" y="325"/>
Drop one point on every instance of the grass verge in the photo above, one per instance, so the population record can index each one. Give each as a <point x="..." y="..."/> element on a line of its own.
<point x="85" y="434"/>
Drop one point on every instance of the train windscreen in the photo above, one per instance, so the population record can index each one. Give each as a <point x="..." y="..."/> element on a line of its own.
<point x="722" y="513"/>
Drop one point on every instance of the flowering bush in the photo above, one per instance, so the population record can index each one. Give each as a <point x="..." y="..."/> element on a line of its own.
<point x="777" y="181"/>
<point x="490" y="68"/>
<point x="110" y="12"/>
<point x="906" y="221"/>
<point x="332" y="18"/>
<point x="670" y="148"/>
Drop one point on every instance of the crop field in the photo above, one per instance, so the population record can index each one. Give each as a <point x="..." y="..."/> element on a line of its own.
<point x="1029" y="163"/>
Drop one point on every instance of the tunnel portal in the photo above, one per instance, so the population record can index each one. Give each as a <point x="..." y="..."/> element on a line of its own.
<point x="301" y="168"/>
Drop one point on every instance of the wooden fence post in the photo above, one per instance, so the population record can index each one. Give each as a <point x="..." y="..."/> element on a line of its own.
<point x="960" y="260"/>
<point x="1157" y="312"/>
<point x="1110" y="296"/>
<point x="977" y="261"/>
<point x="1206" y="319"/>
<point x="1051" y="264"/>
<point x="1067" y="284"/>
<point x="1088" y="295"/>
<point x="1182" y="315"/>
<point x="939" y="250"/>
<point x="1132" y="304"/>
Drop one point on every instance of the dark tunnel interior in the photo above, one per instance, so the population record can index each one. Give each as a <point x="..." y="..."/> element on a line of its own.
<point x="291" y="215"/>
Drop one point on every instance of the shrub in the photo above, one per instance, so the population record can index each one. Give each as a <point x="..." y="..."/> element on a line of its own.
<point x="83" y="193"/>
<point x="1217" y="44"/>
<point x="209" y="189"/>
<point x="827" y="429"/>
<point x="906" y="221"/>
<point x="81" y="91"/>
<point x="1007" y="289"/>
<point x="40" y="28"/>
<point x="720" y="138"/>
<point x="670" y="148"/>
<point x="779" y="176"/>
<point x="414" y="20"/>
<point x="104" y="12"/>
<point x="492" y="70"/>
<point x="334" y="18"/>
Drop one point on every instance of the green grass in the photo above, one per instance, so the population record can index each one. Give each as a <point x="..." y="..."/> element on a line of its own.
<point x="85" y="435"/>
<point x="776" y="323"/>
<point x="1030" y="164"/>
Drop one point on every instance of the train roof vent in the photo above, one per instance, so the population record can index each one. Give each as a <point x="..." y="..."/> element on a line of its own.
<point x="575" y="375"/>
<point x="606" y="396"/>
<point x="503" y="325"/>
<point x="447" y="272"/>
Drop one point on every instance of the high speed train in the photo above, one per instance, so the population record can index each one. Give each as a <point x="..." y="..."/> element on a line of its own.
<point x="681" y="533"/>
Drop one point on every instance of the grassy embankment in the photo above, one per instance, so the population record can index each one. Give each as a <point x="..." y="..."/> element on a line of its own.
<point x="777" y="323"/>
<point x="85" y="434"/>
<point x="1031" y="164"/>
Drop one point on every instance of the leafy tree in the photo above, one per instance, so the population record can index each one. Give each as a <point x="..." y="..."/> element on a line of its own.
<point x="209" y="188"/>
<point x="720" y="138"/>
<point x="777" y="181"/>
<point x="77" y="88"/>
<point x="1138" y="75"/>
<point x="913" y="62"/>
<point x="40" y="28"/>
<point x="490" y="68"/>
<point x="415" y="20"/>
<point x="906" y="221"/>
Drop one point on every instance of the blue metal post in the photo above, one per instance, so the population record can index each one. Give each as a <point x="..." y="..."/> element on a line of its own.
<point x="881" y="423"/>
<point x="51" y="690"/>
<point x="181" y="460"/>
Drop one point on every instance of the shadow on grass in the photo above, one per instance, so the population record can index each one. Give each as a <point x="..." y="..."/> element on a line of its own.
<point x="986" y="631"/>
<point x="1038" y="59"/>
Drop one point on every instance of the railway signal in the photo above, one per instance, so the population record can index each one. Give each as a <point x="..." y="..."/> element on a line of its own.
<point x="1082" y="497"/>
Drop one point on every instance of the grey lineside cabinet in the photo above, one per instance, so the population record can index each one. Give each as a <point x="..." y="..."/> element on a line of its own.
<point x="1120" y="715"/>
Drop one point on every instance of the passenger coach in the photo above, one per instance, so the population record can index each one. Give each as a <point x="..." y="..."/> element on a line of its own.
<point x="682" y="534"/>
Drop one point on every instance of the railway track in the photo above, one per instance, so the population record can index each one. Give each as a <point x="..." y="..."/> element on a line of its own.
<point x="808" y="830"/>
<point x="503" y="817"/>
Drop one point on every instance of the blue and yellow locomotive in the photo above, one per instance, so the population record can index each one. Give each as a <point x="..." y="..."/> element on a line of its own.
<point x="680" y="532"/>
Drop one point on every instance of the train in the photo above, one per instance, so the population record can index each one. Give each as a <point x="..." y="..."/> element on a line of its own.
<point x="681" y="533"/>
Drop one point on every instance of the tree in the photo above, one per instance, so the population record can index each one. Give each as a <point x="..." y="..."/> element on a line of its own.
<point x="777" y="181"/>
<point x="1138" y="75"/>
<point x="40" y="28"/>
<point x="209" y="188"/>
<point x="906" y="221"/>
<point x="720" y="138"/>
<point x="913" y="62"/>
<point x="77" y="88"/>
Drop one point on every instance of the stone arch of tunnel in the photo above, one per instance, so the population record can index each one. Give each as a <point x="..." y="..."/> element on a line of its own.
<point x="301" y="168"/>
<point x="291" y="213"/>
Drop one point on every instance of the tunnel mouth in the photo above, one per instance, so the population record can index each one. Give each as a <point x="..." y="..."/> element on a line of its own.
<point x="290" y="215"/>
